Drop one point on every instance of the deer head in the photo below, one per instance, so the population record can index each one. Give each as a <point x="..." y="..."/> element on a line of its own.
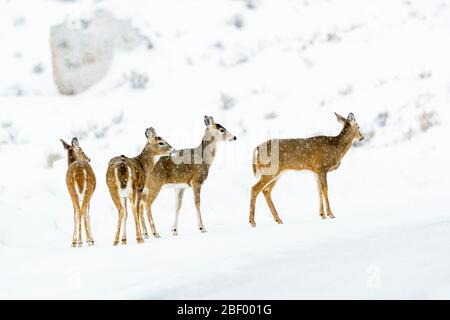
<point x="353" y="125"/>
<point x="74" y="151"/>
<point x="157" y="145"/>
<point x="217" y="131"/>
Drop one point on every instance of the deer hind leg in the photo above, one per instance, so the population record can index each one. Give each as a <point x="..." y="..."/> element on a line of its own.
<point x="150" y="198"/>
<point x="79" y="226"/>
<point x="178" y="201"/>
<point x="124" y="220"/>
<point x="120" y="205"/>
<point x="75" y="226"/>
<point x="263" y="182"/>
<point x="197" y="190"/>
<point x="268" y="195"/>
<point x="86" y="218"/>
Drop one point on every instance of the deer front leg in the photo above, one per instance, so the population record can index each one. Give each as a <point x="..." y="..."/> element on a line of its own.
<point x="319" y="190"/>
<point x="268" y="195"/>
<point x="150" y="198"/>
<point x="178" y="201"/>
<point x="324" y="184"/>
<point x="197" y="190"/>
<point x="141" y="218"/>
<point x="135" y="209"/>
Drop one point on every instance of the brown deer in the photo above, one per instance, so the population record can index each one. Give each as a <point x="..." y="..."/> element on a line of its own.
<point x="320" y="155"/>
<point x="80" y="180"/>
<point x="125" y="178"/>
<point x="187" y="168"/>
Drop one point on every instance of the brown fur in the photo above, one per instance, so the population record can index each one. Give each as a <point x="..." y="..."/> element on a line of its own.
<point x="80" y="179"/>
<point x="320" y="155"/>
<point x="123" y="171"/>
<point x="189" y="167"/>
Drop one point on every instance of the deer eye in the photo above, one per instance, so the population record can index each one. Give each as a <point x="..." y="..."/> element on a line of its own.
<point x="221" y="130"/>
<point x="161" y="143"/>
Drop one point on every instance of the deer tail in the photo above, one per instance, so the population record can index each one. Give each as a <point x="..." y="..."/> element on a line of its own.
<point x="122" y="174"/>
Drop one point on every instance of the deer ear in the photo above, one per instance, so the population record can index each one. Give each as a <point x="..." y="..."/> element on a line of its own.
<point x="340" y="118"/>
<point x="75" y="142"/>
<point x="150" y="133"/>
<point x="209" y="121"/>
<point x="351" y="117"/>
<point x="65" y="144"/>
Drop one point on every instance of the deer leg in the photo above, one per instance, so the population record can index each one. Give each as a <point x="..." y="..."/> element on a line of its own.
<point x="268" y="195"/>
<point x="319" y="190"/>
<point x="88" y="219"/>
<point x="80" y="222"/>
<point x="178" y="201"/>
<point x="119" y="203"/>
<point x="124" y="220"/>
<point x="256" y="189"/>
<point x="135" y="210"/>
<point x="141" y="218"/>
<point x="197" y="190"/>
<point x="324" y="184"/>
<point x="84" y="210"/>
<point x="75" y="225"/>
<point x="151" y="197"/>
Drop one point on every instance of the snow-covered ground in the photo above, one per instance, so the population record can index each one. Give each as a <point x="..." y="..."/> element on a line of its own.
<point x="262" y="68"/>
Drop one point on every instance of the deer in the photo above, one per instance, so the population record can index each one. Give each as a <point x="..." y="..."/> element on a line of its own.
<point x="80" y="180"/>
<point x="186" y="168"/>
<point x="125" y="178"/>
<point x="320" y="154"/>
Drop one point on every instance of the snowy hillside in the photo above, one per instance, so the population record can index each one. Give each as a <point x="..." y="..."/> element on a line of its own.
<point x="262" y="68"/>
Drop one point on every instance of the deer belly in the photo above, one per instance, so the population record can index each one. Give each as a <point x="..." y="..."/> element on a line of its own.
<point x="176" y="186"/>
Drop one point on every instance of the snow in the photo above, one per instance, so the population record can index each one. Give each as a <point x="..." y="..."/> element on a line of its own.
<point x="286" y="70"/>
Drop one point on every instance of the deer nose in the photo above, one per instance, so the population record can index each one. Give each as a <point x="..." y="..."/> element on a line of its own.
<point x="234" y="138"/>
<point x="361" y="139"/>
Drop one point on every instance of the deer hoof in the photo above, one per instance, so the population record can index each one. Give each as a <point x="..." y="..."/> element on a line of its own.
<point x="124" y="241"/>
<point x="279" y="221"/>
<point x="202" y="229"/>
<point x="330" y="215"/>
<point x="156" y="235"/>
<point x="253" y="223"/>
<point x="174" y="232"/>
<point x="91" y="243"/>
<point x="74" y="244"/>
<point x="146" y="235"/>
<point x="140" y="240"/>
<point x="80" y="244"/>
<point x="115" y="243"/>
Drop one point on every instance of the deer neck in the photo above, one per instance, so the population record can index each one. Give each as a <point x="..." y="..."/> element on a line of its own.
<point x="146" y="158"/>
<point x="208" y="148"/>
<point x="345" y="140"/>
<point x="71" y="158"/>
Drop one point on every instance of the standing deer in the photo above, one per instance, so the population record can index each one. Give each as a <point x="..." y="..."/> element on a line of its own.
<point x="80" y="180"/>
<point x="320" y="155"/>
<point x="125" y="178"/>
<point x="187" y="168"/>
